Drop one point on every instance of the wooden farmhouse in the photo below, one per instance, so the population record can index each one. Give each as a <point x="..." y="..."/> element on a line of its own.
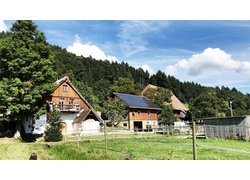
<point x="74" y="108"/>
<point x="179" y="109"/>
<point x="141" y="111"/>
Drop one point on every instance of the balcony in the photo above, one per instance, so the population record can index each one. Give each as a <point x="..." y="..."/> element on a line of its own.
<point x="67" y="108"/>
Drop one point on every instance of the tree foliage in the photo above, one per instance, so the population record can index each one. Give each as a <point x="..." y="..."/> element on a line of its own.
<point x="126" y="86"/>
<point x="53" y="129"/>
<point x="115" y="110"/>
<point x="26" y="73"/>
<point x="208" y="106"/>
<point x="162" y="97"/>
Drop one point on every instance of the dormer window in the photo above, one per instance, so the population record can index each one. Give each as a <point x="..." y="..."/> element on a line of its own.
<point x="65" y="88"/>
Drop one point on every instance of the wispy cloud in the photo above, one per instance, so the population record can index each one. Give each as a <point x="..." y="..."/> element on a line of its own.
<point x="132" y="35"/>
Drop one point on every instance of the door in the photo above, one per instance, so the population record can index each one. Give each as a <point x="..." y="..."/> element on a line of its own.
<point x="138" y="125"/>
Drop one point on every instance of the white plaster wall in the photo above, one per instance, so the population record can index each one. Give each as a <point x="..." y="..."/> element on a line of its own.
<point x="39" y="125"/>
<point x="68" y="118"/>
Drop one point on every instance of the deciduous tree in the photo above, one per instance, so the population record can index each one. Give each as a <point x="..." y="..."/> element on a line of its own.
<point x="26" y="73"/>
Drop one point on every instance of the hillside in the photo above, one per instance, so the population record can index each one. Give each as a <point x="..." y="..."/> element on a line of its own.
<point x="94" y="79"/>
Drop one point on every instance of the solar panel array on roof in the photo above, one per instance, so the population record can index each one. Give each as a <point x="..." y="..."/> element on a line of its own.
<point x="136" y="101"/>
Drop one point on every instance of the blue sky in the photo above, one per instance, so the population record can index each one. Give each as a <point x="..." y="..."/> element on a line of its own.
<point x="212" y="53"/>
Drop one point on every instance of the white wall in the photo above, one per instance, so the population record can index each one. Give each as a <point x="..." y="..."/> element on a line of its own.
<point x="68" y="118"/>
<point x="39" y="125"/>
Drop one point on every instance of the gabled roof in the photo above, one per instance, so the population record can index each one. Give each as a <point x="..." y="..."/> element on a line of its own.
<point x="175" y="101"/>
<point x="66" y="79"/>
<point x="84" y="114"/>
<point x="134" y="101"/>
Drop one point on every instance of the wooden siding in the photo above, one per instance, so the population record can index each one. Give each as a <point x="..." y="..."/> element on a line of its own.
<point x="225" y="127"/>
<point x="143" y="116"/>
<point x="69" y="94"/>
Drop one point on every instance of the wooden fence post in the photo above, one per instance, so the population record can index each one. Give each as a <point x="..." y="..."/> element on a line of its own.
<point x="78" y="134"/>
<point x="172" y="131"/>
<point x="65" y="137"/>
<point x="105" y="133"/>
<point x="194" y="142"/>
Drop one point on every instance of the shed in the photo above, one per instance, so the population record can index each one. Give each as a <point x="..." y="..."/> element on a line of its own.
<point x="88" y="121"/>
<point x="224" y="127"/>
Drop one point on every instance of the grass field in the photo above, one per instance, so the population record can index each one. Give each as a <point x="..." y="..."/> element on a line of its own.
<point x="14" y="150"/>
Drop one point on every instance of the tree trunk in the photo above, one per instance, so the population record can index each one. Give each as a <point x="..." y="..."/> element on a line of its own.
<point x="18" y="129"/>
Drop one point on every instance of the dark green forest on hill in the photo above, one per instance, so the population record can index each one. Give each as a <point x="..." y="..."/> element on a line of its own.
<point x="97" y="79"/>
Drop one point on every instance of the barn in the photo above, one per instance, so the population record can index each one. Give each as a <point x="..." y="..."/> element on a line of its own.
<point x="141" y="111"/>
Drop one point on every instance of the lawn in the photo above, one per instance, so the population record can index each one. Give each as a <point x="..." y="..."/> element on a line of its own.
<point x="11" y="149"/>
<point x="138" y="149"/>
<point x="95" y="149"/>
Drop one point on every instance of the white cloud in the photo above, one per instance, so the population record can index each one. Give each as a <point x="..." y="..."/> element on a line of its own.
<point x="132" y="35"/>
<point x="3" y="27"/>
<point x="87" y="50"/>
<point x="210" y="59"/>
<point x="146" y="67"/>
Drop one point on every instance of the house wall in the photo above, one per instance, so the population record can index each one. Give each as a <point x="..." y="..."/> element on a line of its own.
<point x="66" y="95"/>
<point x="144" y="117"/>
<point x="134" y="115"/>
<point x="38" y="125"/>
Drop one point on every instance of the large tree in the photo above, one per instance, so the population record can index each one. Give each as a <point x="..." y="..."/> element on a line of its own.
<point x="206" y="105"/>
<point x="162" y="97"/>
<point x="26" y="73"/>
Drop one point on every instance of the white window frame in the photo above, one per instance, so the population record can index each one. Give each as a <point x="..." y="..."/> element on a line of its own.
<point x="64" y="88"/>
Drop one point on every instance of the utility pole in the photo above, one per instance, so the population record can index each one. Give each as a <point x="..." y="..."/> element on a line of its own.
<point x="231" y="108"/>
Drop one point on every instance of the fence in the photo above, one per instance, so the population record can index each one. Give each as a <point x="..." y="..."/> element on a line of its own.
<point x="118" y="133"/>
<point x="227" y="132"/>
<point x="123" y="135"/>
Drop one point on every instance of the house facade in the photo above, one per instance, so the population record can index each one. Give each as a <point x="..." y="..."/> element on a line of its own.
<point x="141" y="111"/>
<point x="75" y="111"/>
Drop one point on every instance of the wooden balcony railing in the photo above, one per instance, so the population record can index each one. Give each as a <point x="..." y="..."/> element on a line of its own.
<point x="67" y="108"/>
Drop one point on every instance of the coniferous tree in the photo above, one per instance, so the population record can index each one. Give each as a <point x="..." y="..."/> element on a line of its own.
<point x="53" y="132"/>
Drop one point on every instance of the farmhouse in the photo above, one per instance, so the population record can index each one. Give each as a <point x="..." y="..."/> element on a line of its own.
<point x="74" y="108"/>
<point x="141" y="111"/>
<point x="179" y="109"/>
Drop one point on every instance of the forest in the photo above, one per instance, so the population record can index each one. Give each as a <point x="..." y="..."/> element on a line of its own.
<point x="97" y="79"/>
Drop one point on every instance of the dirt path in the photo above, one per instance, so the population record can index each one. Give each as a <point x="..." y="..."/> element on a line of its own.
<point x="11" y="149"/>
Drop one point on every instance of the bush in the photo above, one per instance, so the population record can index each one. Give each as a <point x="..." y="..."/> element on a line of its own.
<point x="53" y="130"/>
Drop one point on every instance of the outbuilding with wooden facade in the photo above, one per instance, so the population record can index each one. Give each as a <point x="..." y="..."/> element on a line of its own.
<point x="141" y="111"/>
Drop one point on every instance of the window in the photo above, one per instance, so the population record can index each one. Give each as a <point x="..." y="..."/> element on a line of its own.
<point x="133" y="113"/>
<point x="154" y="123"/>
<point x="71" y="101"/>
<point x="61" y="101"/>
<point x="139" y="113"/>
<point x="148" y="113"/>
<point x="64" y="87"/>
<point x="124" y="124"/>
